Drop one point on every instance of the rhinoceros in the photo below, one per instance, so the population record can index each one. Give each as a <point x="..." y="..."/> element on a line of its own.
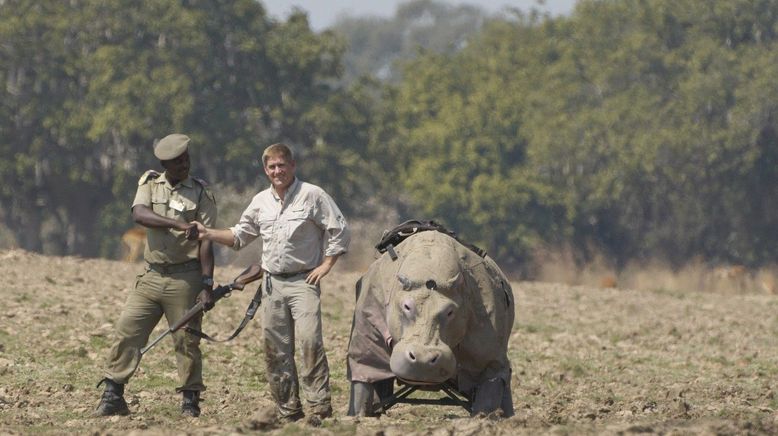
<point x="432" y="311"/>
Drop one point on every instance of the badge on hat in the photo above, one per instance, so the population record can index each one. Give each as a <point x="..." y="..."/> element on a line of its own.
<point x="171" y="146"/>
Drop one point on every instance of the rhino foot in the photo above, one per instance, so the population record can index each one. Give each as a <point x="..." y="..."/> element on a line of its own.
<point x="361" y="400"/>
<point x="493" y="395"/>
<point x="365" y="398"/>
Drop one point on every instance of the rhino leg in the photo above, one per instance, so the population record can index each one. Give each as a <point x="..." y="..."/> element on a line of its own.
<point x="493" y="394"/>
<point x="361" y="400"/>
<point x="507" y="402"/>
<point x="365" y="398"/>
<point x="383" y="390"/>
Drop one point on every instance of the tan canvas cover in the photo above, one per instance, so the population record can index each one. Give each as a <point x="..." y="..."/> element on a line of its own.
<point x="369" y="352"/>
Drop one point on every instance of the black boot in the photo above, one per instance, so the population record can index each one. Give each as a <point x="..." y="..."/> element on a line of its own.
<point x="190" y="406"/>
<point x="112" y="402"/>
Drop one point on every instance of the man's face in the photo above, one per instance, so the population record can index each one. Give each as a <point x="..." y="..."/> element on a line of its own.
<point x="280" y="172"/>
<point x="177" y="169"/>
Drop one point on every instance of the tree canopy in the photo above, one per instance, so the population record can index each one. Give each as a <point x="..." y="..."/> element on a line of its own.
<point x="631" y="128"/>
<point x="91" y="84"/>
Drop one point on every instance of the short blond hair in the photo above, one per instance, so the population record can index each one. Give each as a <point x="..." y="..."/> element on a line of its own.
<point x="277" y="150"/>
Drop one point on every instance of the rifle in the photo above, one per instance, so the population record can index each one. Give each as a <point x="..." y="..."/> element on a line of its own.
<point x="252" y="273"/>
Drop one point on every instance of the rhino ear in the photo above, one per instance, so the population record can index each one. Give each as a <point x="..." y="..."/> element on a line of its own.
<point x="405" y="282"/>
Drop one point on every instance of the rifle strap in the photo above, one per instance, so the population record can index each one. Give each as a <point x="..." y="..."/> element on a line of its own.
<point x="250" y="312"/>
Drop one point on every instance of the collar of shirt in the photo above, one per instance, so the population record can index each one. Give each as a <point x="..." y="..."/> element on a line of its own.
<point x="162" y="179"/>
<point x="290" y="193"/>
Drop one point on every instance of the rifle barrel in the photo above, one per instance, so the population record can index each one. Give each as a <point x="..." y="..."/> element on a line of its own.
<point x="197" y="308"/>
<point x="154" y="342"/>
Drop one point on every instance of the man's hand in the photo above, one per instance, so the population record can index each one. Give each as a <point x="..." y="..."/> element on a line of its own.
<point x="220" y="236"/>
<point x="191" y="232"/>
<point x="200" y="229"/>
<point x="318" y="273"/>
<point x="206" y="297"/>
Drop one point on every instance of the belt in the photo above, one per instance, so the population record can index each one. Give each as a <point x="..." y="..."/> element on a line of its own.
<point x="164" y="268"/>
<point x="286" y="275"/>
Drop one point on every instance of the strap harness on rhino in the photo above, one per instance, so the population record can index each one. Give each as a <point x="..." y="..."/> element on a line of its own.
<point x="392" y="238"/>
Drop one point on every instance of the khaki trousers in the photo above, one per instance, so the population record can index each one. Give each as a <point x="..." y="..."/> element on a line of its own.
<point x="292" y="317"/>
<point x="156" y="294"/>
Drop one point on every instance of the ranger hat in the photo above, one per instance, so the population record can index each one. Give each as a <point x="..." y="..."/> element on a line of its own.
<point x="171" y="146"/>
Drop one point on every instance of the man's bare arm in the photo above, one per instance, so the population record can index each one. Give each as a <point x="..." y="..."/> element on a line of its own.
<point x="146" y="217"/>
<point x="221" y="236"/>
<point x="206" y="258"/>
<point x="318" y="273"/>
<point x="206" y="264"/>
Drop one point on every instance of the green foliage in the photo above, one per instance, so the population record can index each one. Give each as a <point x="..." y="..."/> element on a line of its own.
<point x="90" y="86"/>
<point x="632" y="128"/>
<point x="638" y="129"/>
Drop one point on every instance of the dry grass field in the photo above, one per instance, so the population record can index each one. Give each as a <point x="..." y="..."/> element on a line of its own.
<point x="586" y="360"/>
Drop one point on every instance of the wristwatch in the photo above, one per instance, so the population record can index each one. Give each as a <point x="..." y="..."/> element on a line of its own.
<point x="208" y="281"/>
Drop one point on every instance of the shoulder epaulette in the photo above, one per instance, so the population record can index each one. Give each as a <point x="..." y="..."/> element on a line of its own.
<point x="205" y="189"/>
<point x="202" y="182"/>
<point x="148" y="175"/>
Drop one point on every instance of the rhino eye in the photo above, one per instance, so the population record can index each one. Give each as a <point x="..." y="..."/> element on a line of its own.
<point x="431" y="284"/>
<point x="450" y="313"/>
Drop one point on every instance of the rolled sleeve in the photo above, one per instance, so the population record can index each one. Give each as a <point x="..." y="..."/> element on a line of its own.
<point x="247" y="229"/>
<point x="337" y="231"/>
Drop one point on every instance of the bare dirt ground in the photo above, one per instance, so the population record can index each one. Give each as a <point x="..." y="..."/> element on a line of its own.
<point x="585" y="361"/>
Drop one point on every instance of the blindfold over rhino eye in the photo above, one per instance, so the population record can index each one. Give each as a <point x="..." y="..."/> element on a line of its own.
<point x="407" y="284"/>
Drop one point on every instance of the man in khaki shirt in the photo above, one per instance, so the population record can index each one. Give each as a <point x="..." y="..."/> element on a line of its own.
<point x="303" y="233"/>
<point x="179" y="271"/>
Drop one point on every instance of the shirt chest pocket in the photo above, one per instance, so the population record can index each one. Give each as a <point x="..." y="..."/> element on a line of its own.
<point x="295" y="221"/>
<point x="175" y="207"/>
<point x="266" y="223"/>
<point x="159" y="204"/>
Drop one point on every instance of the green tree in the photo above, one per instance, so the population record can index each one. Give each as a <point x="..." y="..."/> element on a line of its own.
<point x="91" y="84"/>
<point x="638" y="129"/>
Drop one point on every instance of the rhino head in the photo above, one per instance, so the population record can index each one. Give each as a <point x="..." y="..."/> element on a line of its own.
<point x="426" y="315"/>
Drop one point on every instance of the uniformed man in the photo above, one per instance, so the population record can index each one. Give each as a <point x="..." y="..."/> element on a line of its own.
<point x="303" y="234"/>
<point x="179" y="272"/>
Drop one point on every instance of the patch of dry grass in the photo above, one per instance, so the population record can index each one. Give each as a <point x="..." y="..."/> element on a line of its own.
<point x="559" y="267"/>
<point x="586" y="360"/>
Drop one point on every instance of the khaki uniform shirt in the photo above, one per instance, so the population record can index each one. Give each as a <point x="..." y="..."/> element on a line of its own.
<point x="297" y="232"/>
<point x="188" y="201"/>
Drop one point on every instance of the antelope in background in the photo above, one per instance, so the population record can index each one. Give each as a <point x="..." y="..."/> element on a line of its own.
<point x="135" y="242"/>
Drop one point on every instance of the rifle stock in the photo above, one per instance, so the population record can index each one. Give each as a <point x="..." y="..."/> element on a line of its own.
<point x="250" y="274"/>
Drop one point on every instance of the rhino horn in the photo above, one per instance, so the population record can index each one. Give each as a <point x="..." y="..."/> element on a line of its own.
<point x="405" y="282"/>
<point x="452" y="281"/>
